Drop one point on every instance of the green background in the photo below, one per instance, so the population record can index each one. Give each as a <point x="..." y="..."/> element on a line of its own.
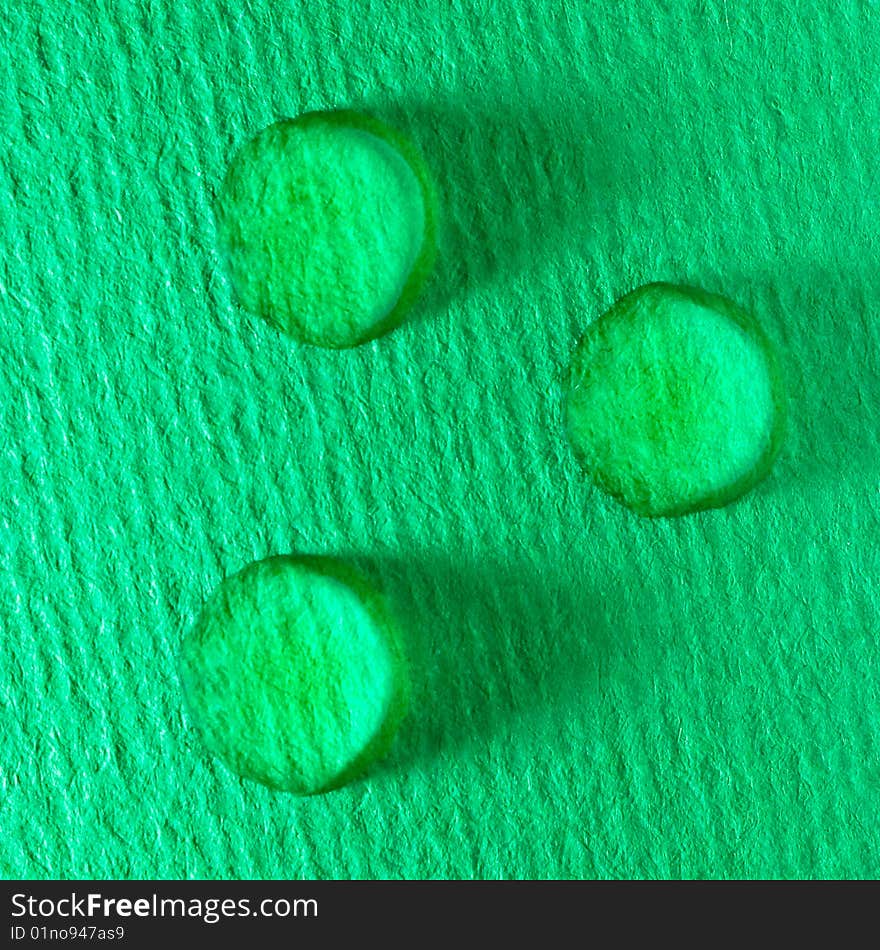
<point x="596" y="694"/>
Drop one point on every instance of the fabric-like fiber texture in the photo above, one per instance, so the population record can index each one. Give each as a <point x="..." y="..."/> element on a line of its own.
<point x="595" y="694"/>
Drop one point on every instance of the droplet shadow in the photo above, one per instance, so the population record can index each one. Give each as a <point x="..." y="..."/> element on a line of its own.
<point x="522" y="182"/>
<point x="821" y="320"/>
<point x="490" y="644"/>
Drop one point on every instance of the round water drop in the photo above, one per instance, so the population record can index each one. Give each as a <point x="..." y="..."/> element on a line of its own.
<point x="675" y="401"/>
<point x="294" y="674"/>
<point x="328" y="226"/>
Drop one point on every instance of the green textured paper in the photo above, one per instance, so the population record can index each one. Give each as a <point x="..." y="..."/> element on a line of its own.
<point x="600" y="694"/>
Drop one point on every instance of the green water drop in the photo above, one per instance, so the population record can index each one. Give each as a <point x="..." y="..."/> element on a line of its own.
<point x="675" y="401"/>
<point x="328" y="226"/>
<point x="294" y="674"/>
